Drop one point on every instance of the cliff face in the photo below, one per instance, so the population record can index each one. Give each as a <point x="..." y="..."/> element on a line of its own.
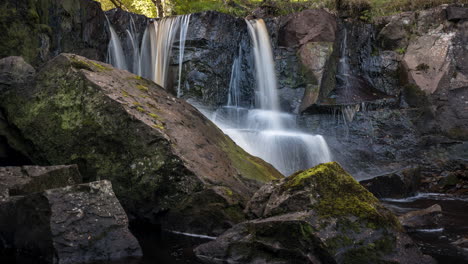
<point x="39" y="30"/>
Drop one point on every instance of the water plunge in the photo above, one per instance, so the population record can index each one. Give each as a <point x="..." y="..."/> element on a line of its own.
<point x="265" y="131"/>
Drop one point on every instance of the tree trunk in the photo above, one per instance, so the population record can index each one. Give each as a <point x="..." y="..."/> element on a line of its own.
<point x="159" y="6"/>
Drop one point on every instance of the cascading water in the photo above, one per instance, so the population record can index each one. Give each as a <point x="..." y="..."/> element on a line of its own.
<point x="265" y="131"/>
<point x="151" y="59"/>
<point x="115" y="54"/>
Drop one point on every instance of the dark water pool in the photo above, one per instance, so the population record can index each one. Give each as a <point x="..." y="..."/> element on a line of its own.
<point x="453" y="225"/>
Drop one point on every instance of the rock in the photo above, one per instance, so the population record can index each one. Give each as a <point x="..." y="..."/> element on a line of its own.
<point x="281" y="239"/>
<point x="30" y="179"/>
<point x="75" y="224"/>
<point x="159" y="151"/>
<point x="213" y="41"/>
<point x="316" y="25"/>
<point x="426" y="60"/>
<point x="395" y="34"/>
<point x="398" y="184"/>
<point x="425" y="219"/>
<point x="314" y="57"/>
<point x="40" y="30"/>
<point x="15" y="70"/>
<point x="321" y="215"/>
<point x="456" y="13"/>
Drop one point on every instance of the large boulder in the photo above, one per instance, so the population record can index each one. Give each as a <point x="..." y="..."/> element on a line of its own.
<point x="321" y="215"/>
<point x="161" y="154"/>
<point x="40" y="30"/>
<point x="74" y="224"/>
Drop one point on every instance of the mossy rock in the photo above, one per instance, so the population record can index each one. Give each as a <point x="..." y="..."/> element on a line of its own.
<point x="157" y="150"/>
<point x="343" y="219"/>
<point x="39" y="29"/>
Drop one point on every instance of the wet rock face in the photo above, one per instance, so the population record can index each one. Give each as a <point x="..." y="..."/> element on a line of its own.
<point x="75" y="224"/>
<point x="40" y="30"/>
<point x="213" y="42"/>
<point x="330" y="219"/>
<point x="159" y="151"/>
<point x="130" y="28"/>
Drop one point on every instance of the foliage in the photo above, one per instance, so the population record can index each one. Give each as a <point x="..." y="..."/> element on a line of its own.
<point x="362" y="9"/>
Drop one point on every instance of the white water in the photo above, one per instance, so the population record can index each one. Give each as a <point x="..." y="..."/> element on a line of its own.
<point x="151" y="59"/>
<point x="115" y="54"/>
<point x="265" y="131"/>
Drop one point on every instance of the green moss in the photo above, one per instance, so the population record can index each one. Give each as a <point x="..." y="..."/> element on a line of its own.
<point x="155" y="116"/>
<point x="88" y="65"/>
<point x="140" y="109"/>
<point x="338" y="242"/>
<point x="372" y="252"/>
<point x="340" y="195"/>
<point x="142" y="88"/>
<point x="125" y="94"/>
<point x="158" y="126"/>
<point x="250" y="167"/>
<point x="100" y="66"/>
<point x="400" y="51"/>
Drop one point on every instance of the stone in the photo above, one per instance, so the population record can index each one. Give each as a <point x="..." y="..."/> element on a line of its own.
<point x="456" y="13"/>
<point x="40" y="30"/>
<point x="314" y="56"/>
<point x="321" y="215"/>
<point x="15" y="70"/>
<point x="422" y="219"/>
<point x="158" y="151"/>
<point x="30" y="179"/>
<point x="213" y="42"/>
<point x="315" y="25"/>
<point x="426" y="60"/>
<point x="399" y="184"/>
<point x="75" y="224"/>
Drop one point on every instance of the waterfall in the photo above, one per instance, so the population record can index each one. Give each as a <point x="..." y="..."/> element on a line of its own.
<point x="262" y="130"/>
<point x="265" y="131"/>
<point x="152" y="58"/>
<point x="115" y="54"/>
<point x="183" y="36"/>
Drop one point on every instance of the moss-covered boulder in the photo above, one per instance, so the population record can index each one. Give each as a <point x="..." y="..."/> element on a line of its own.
<point x="321" y="215"/>
<point x="167" y="162"/>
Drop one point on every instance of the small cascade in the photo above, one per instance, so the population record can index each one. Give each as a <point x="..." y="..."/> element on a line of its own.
<point x="185" y="21"/>
<point x="265" y="131"/>
<point x="151" y="59"/>
<point x="343" y="67"/>
<point x="134" y="43"/>
<point x="115" y="54"/>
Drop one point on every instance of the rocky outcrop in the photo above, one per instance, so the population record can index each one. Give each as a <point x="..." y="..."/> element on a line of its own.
<point x="213" y="42"/>
<point x="321" y="215"/>
<point x="40" y="30"/>
<point x="161" y="154"/>
<point x="24" y="180"/>
<point x="75" y="224"/>
<point x="399" y="184"/>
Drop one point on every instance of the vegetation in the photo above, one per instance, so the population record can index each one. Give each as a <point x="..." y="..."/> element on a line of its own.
<point x="363" y="9"/>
